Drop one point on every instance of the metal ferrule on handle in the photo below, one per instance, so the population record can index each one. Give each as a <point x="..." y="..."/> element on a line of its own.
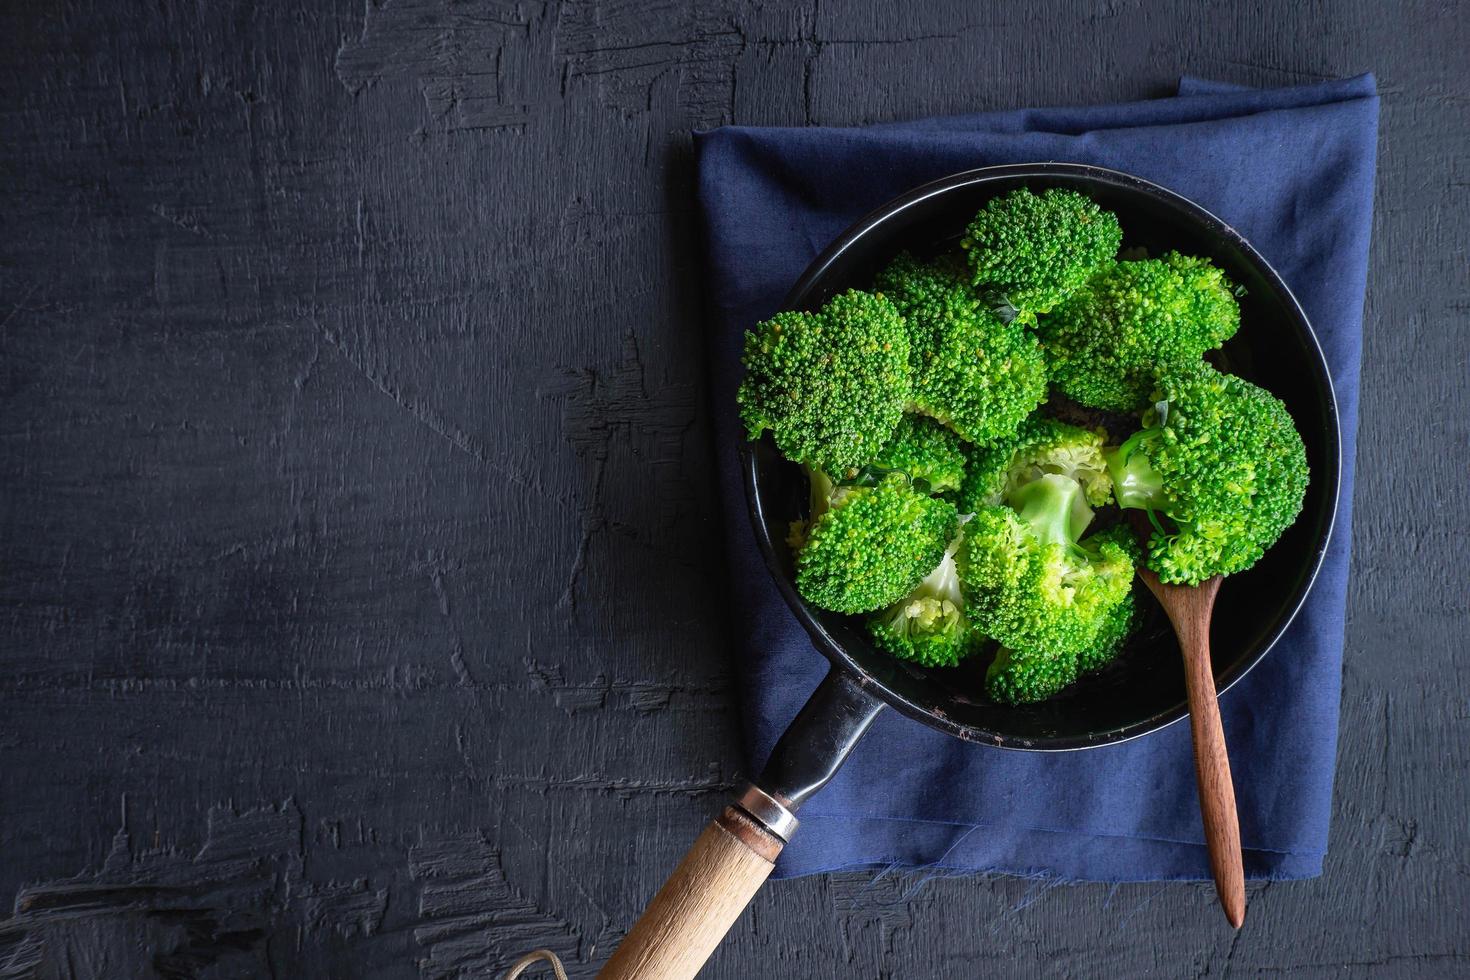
<point x="767" y="811"/>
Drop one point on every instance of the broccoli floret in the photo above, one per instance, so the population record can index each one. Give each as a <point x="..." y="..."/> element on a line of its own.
<point x="994" y="473"/>
<point x="925" y="450"/>
<point x="1045" y="595"/>
<point x="1024" y="678"/>
<point x="1222" y="461"/>
<point x="971" y="371"/>
<point x="1019" y="677"/>
<point x="1029" y="582"/>
<point x="873" y="546"/>
<point x="1108" y="343"/>
<point x="830" y="385"/>
<point x="1032" y="250"/>
<point x="929" y="625"/>
<point x="1117" y="626"/>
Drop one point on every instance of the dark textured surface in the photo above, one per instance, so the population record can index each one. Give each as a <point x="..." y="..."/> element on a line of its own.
<point x="360" y="608"/>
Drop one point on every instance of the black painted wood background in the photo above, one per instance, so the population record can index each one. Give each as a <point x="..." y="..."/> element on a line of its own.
<point x="360" y="582"/>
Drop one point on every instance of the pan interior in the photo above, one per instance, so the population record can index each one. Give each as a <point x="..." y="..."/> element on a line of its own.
<point x="1143" y="689"/>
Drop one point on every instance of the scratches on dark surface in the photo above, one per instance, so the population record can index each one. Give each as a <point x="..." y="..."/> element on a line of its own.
<point x="179" y="220"/>
<point x="713" y="781"/>
<point x="1407" y="965"/>
<point x="351" y="909"/>
<point x="615" y="419"/>
<point x="642" y="697"/>
<point x="1291" y="75"/>
<point x="463" y="57"/>
<point x="429" y="418"/>
<point x="436" y="566"/>
<point x="192" y="912"/>
<point x="464" y="901"/>
<point x="874" y="909"/>
<point x="208" y="912"/>
<point x="571" y="876"/>
<point x="625" y="50"/>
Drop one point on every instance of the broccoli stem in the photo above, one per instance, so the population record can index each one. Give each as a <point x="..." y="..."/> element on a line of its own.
<point x="1054" y="507"/>
<point x="821" y="488"/>
<point x="824" y="494"/>
<point x="1136" y="483"/>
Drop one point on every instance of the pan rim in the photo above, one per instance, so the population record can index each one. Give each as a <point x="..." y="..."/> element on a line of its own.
<point x="836" y="653"/>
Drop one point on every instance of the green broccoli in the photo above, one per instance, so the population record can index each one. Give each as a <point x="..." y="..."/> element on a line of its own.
<point x="1032" y="583"/>
<point x="925" y="450"/>
<point x="1025" y="678"/>
<point x="976" y="374"/>
<point x="918" y="402"/>
<point x="1018" y="677"/>
<point x="873" y="546"/>
<point x="929" y="625"/>
<point x="1029" y="582"/>
<point x="1041" y="445"/>
<point x="830" y="385"/>
<point x="1033" y="250"/>
<point x="1108" y="343"/>
<point x="1117" y="626"/>
<point x="1222" y="461"/>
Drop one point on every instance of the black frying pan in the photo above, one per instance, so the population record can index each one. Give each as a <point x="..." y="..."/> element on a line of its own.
<point x="1139" y="693"/>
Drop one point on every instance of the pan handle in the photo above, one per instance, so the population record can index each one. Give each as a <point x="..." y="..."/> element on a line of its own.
<point x="733" y="857"/>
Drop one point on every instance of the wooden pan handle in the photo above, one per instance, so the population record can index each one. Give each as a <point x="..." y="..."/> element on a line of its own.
<point x="699" y="903"/>
<point x="733" y="857"/>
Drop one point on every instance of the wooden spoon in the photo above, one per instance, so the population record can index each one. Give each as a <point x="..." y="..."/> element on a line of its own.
<point x="1189" y="608"/>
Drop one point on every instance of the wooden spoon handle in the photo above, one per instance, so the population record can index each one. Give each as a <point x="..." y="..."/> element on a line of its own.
<point x="1212" y="767"/>
<point x="1190" y="609"/>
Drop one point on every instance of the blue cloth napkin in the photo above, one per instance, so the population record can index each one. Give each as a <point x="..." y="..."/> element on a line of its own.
<point x="1292" y="169"/>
